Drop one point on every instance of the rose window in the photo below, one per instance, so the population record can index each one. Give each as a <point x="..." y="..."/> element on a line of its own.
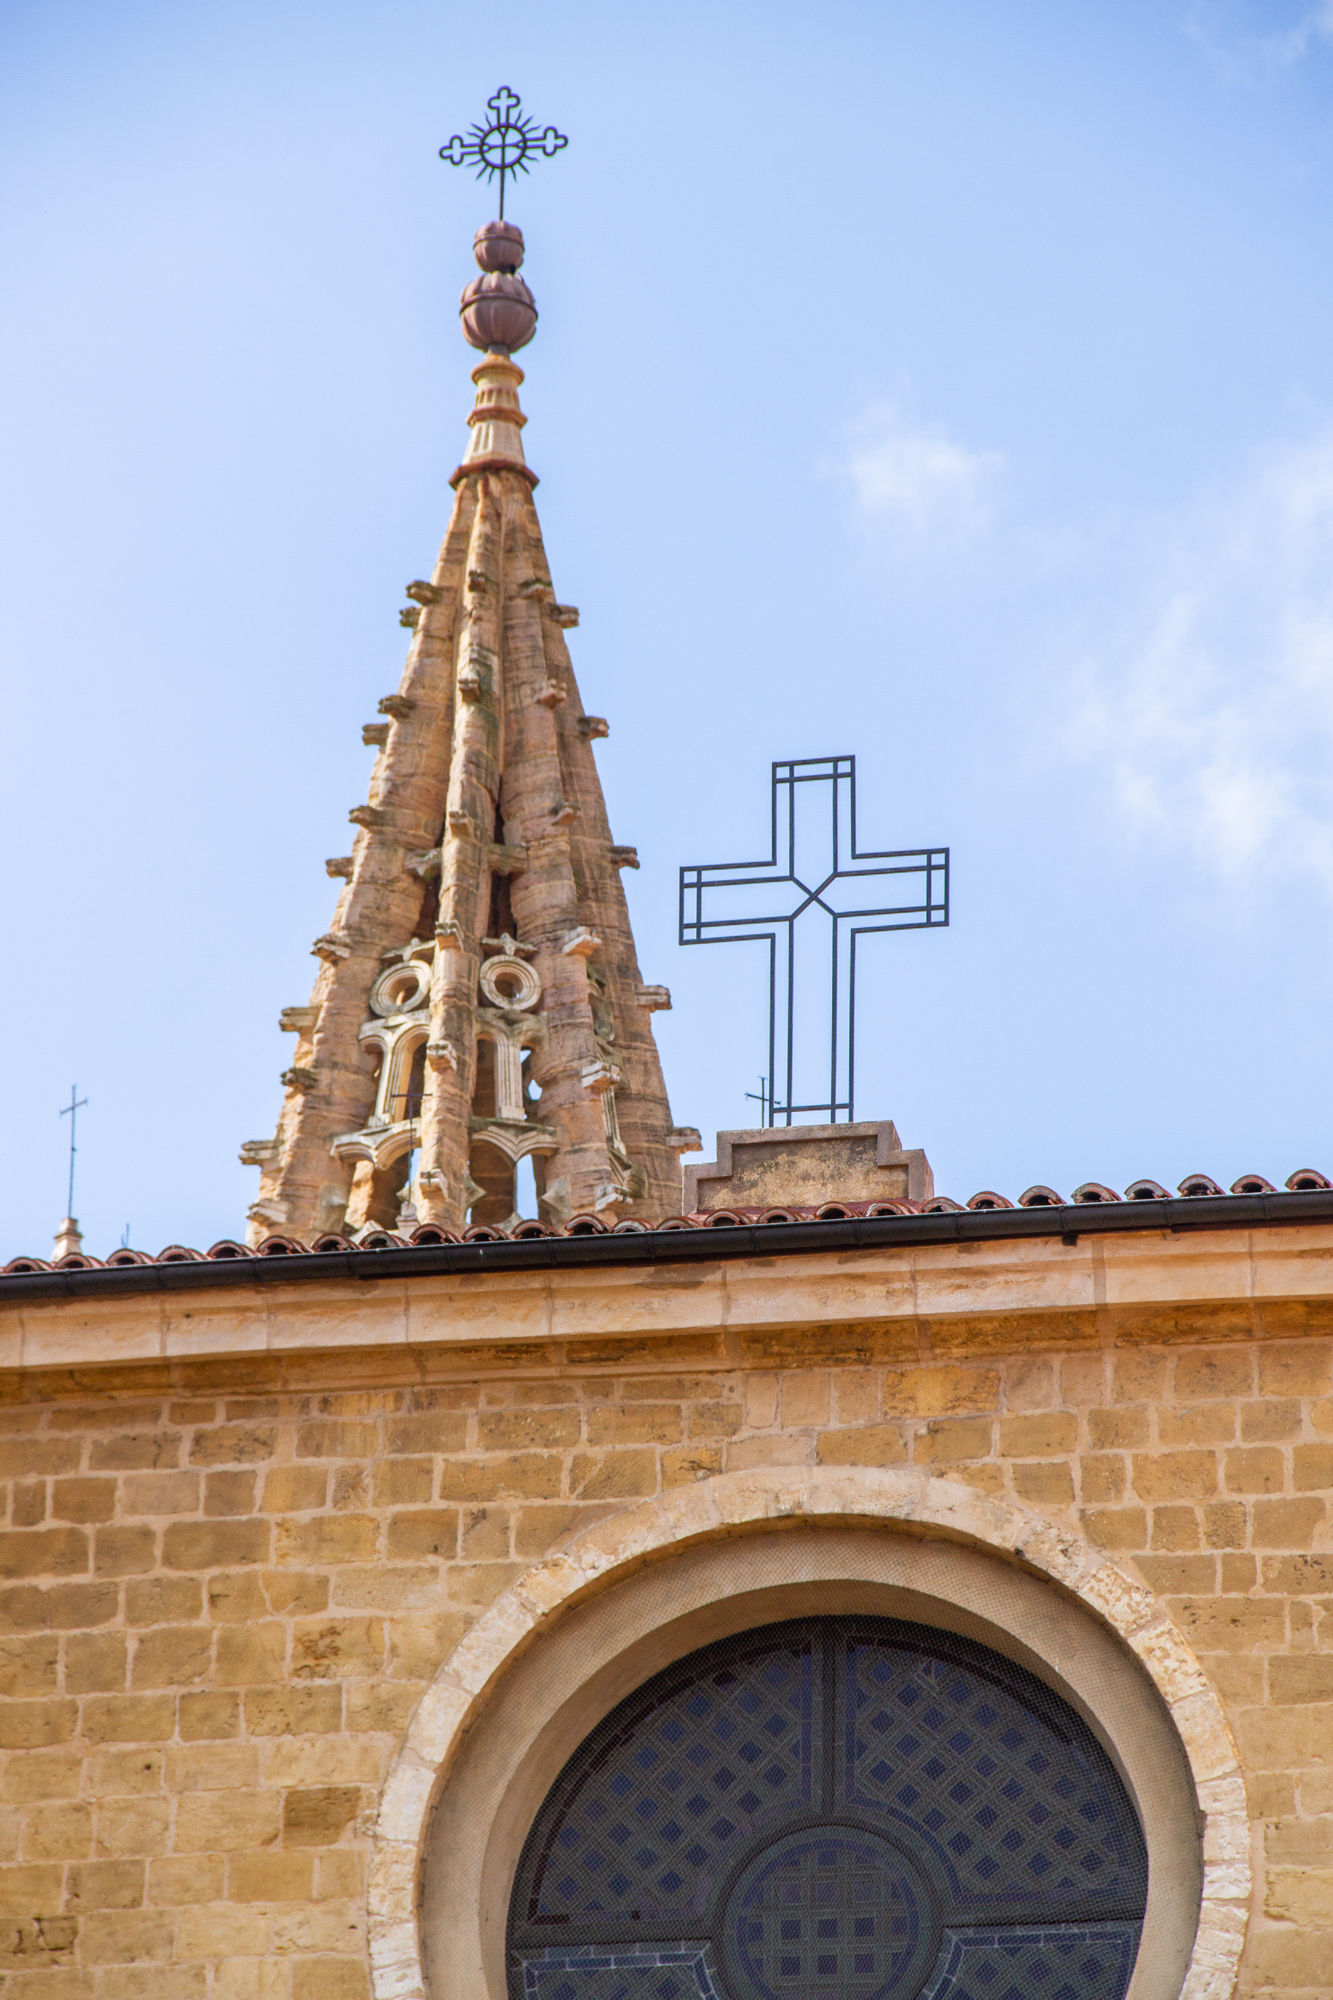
<point x="833" y="1809"/>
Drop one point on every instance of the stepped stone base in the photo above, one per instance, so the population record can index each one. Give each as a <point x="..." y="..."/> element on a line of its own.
<point x="804" y="1165"/>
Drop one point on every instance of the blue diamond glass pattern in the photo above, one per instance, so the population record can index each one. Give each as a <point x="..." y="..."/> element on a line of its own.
<point x="767" y="1801"/>
<point x="760" y="1699"/>
<point x="1055" y="1962"/>
<point x="832" y="1914"/>
<point x="1020" y="1760"/>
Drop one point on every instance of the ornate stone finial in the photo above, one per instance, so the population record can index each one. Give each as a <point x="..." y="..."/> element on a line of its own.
<point x="480" y="963"/>
<point x="498" y="310"/>
<point x="498" y="246"/>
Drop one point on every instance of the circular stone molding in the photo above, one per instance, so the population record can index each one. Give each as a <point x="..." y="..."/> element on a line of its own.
<point x="615" y="1547"/>
<point x="509" y="982"/>
<point x="401" y="989"/>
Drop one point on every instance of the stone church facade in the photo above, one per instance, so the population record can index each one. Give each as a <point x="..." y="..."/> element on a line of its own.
<point x="315" y="1577"/>
<point x="832" y="1591"/>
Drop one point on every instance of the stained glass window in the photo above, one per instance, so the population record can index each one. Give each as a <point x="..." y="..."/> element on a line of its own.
<point x="833" y="1809"/>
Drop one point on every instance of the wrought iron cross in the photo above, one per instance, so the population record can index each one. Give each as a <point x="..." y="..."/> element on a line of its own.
<point x="71" y="1111"/>
<point x="504" y="146"/>
<point x="812" y="863"/>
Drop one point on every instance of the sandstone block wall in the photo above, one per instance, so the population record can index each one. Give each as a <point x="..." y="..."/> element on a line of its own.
<point x="219" y="1608"/>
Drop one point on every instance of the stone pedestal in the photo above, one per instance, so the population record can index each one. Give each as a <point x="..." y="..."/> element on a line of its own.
<point x="69" y="1240"/>
<point x="806" y="1165"/>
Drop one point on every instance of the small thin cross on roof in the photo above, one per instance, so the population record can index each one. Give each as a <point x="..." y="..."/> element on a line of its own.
<point x="71" y="1111"/>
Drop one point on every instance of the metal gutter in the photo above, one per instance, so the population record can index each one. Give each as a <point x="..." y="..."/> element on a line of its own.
<point x="682" y="1246"/>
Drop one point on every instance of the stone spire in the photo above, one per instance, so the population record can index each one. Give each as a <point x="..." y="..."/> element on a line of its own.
<point x="478" y="997"/>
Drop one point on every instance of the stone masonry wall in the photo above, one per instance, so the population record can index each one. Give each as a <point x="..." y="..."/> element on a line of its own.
<point x="219" y="1609"/>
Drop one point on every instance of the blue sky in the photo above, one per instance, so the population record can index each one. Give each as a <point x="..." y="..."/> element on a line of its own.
<point x="944" y="382"/>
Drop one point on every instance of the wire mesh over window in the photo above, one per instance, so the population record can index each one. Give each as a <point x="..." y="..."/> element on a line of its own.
<point x="833" y="1809"/>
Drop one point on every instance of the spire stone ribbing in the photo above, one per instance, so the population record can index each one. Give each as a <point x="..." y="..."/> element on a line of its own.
<point x="479" y="999"/>
<point x="496" y="443"/>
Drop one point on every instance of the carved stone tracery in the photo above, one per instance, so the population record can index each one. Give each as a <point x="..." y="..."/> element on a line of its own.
<point x="512" y="1022"/>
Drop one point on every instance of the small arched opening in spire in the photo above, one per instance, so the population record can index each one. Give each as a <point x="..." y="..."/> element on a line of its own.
<point x="500" y="918"/>
<point x="382" y="1150"/>
<point x="376" y="1193"/>
<point x="372" y="1051"/>
<point x="492" y="1172"/>
<point x="408" y="1083"/>
<point x="428" y="914"/>
<point x="483" y="1090"/>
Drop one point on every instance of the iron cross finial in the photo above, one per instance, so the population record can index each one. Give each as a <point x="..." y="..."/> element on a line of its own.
<point x="505" y="145"/>
<point x="811" y="871"/>
<point x="71" y="1111"/>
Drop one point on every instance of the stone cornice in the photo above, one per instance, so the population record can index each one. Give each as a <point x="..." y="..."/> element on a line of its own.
<point x="579" y="1303"/>
<point x="706" y="1243"/>
<point x="493" y="463"/>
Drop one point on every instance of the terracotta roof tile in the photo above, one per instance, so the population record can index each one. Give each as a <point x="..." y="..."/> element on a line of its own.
<point x="1305" y="1180"/>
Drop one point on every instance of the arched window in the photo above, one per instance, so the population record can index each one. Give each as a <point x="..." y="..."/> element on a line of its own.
<point x="409" y="1084"/>
<point x="415" y="1092"/>
<point x="483" y="1093"/>
<point x="838" y="1808"/>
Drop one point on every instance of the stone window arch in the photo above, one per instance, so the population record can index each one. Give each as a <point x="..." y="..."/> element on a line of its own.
<point x="406" y="1084"/>
<point x="398" y="1055"/>
<point x="635" y="1595"/>
<point x="833" y="1808"/>
<point x="501" y="1047"/>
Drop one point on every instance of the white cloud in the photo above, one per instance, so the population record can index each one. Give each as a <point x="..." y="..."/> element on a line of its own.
<point x="1250" y="39"/>
<point x="1213" y="722"/>
<point x="914" y="480"/>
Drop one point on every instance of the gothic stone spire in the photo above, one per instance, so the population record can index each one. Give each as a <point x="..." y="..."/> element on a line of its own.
<point x="478" y="997"/>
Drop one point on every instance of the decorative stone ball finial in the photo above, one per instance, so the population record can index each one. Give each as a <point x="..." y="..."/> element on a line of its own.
<point x="498" y="246"/>
<point x="497" y="309"/>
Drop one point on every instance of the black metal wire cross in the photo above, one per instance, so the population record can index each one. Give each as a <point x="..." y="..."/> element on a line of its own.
<point x="812" y="856"/>
<point x="504" y="145"/>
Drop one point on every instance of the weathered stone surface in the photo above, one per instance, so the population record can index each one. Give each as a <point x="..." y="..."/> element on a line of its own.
<point x="807" y="1165"/>
<point x="290" y="1579"/>
<point x="483" y="850"/>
